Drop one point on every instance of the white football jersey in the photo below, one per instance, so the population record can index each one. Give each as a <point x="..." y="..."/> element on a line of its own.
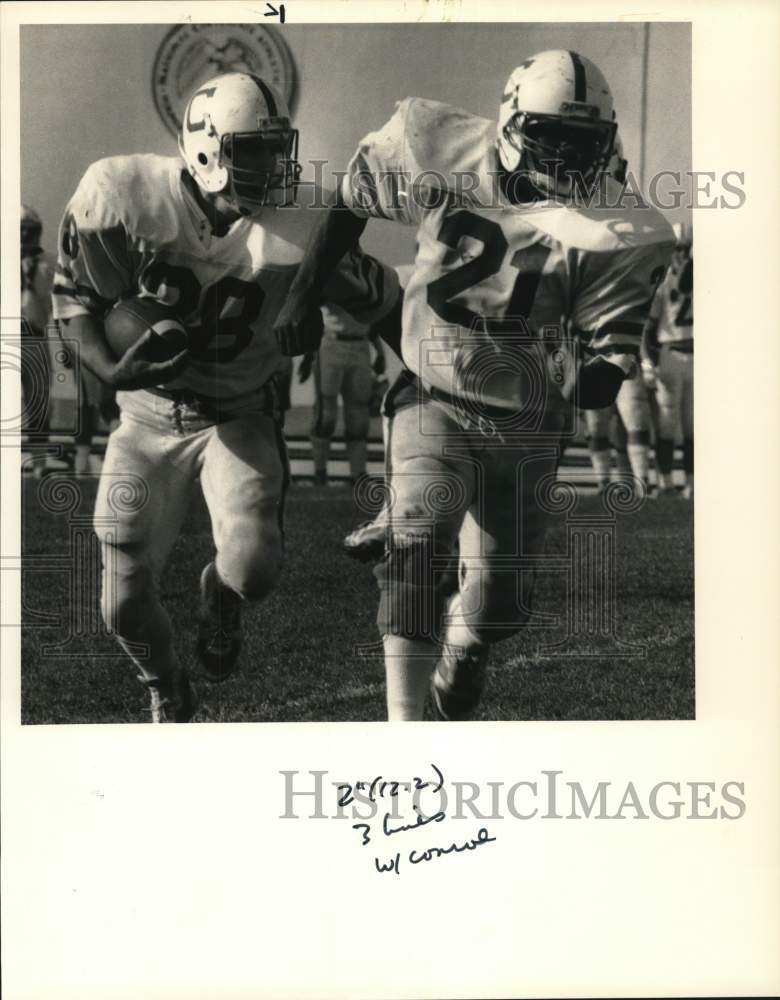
<point x="673" y="304"/>
<point x="486" y="268"/>
<point x="133" y="228"/>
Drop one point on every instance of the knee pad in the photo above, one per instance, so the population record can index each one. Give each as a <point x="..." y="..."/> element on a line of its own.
<point x="413" y="588"/>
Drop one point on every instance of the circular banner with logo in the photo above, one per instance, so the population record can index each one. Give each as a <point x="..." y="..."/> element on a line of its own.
<point x="190" y="54"/>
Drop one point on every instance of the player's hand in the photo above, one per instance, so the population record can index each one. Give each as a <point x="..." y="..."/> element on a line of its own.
<point x="305" y="367"/>
<point x="598" y="384"/>
<point x="298" y="327"/>
<point x="133" y="371"/>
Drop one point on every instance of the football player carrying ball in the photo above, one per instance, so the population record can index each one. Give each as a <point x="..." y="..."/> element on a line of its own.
<point x="200" y="234"/>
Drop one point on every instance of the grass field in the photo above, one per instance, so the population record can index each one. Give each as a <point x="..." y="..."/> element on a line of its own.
<point x="299" y="661"/>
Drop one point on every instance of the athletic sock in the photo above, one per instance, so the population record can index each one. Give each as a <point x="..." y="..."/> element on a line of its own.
<point x="409" y="664"/>
<point x="356" y="454"/>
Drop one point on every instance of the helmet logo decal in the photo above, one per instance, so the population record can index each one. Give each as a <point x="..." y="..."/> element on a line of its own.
<point x="197" y="126"/>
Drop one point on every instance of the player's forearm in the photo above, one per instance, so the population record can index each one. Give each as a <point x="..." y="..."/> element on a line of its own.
<point x="93" y="348"/>
<point x="388" y="329"/>
<point x="650" y="339"/>
<point x="338" y="232"/>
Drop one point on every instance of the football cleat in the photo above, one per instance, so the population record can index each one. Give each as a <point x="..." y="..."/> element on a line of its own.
<point x="175" y="701"/>
<point x="219" y="626"/>
<point x="457" y="684"/>
<point x="367" y="543"/>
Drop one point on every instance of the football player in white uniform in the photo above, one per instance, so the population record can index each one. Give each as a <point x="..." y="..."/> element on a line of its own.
<point x="510" y="278"/>
<point x="669" y="347"/>
<point x="207" y="234"/>
<point x="342" y="367"/>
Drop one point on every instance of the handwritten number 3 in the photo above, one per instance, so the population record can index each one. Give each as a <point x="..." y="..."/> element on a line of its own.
<point x="366" y="830"/>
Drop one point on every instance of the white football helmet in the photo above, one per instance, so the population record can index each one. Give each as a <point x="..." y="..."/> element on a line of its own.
<point x="237" y="141"/>
<point x="556" y="120"/>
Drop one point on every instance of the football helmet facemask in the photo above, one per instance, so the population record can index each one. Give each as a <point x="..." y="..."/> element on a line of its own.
<point x="618" y="165"/>
<point x="556" y="123"/>
<point x="237" y="141"/>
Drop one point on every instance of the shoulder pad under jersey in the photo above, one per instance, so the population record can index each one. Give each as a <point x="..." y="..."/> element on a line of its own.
<point x="444" y="139"/>
<point x="599" y="228"/>
<point x="131" y="191"/>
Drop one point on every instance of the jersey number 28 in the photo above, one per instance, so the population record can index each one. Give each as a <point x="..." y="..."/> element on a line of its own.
<point x="229" y="308"/>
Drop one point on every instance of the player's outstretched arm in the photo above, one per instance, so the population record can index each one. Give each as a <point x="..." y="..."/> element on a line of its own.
<point x="298" y="327"/>
<point x="388" y="329"/>
<point x="131" y="371"/>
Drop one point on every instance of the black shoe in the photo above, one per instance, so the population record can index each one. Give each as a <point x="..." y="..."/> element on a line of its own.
<point x="367" y="543"/>
<point x="219" y="626"/>
<point x="457" y="685"/>
<point x="174" y="701"/>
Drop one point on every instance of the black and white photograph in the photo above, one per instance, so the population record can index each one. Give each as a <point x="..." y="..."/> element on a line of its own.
<point x="352" y="403"/>
<point x="348" y="383"/>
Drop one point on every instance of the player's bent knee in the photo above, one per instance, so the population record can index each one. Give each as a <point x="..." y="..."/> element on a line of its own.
<point x="413" y="587"/>
<point x="251" y="570"/>
<point x="495" y="605"/>
<point x="323" y="430"/>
